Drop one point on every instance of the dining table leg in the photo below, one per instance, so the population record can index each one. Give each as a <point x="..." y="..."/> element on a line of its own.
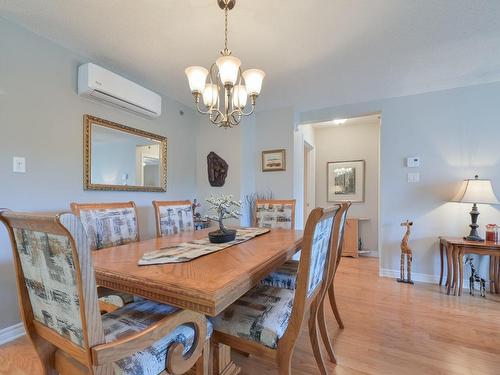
<point x="441" y="251"/>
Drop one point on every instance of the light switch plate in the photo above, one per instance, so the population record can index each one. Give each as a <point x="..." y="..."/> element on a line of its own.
<point x="19" y="164"/>
<point x="413" y="177"/>
<point x="413" y="162"/>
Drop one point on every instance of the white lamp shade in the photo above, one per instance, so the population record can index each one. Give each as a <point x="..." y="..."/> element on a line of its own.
<point x="239" y="96"/>
<point x="229" y="67"/>
<point x="253" y="80"/>
<point x="197" y="76"/>
<point x="477" y="191"/>
<point x="210" y="94"/>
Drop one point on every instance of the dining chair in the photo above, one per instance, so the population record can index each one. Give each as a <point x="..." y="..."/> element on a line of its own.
<point x="108" y="225"/>
<point x="271" y="213"/>
<point x="331" y="286"/>
<point x="173" y="217"/>
<point x="59" y="307"/>
<point x="286" y="277"/>
<point x="267" y="321"/>
<point x="274" y="213"/>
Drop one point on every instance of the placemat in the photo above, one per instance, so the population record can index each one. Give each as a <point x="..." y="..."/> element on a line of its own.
<point x="186" y="251"/>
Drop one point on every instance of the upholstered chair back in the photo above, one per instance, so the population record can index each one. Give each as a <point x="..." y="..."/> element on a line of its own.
<point x="318" y="252"/>
<point x="173" y="217"/>
<point x="271" y="213"/>
<point x="108" y="224"/>
<point x="343" y="217"/>
<point x="52" y="261"/>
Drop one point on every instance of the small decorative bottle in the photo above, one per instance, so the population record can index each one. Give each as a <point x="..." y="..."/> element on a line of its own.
<point x="492" y="232"/>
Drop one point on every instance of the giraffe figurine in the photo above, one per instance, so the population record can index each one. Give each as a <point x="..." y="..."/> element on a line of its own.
<point x="406" y="253"/>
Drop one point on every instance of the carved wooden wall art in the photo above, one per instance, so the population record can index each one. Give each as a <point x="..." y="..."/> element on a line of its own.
<point x="217" y="169"/>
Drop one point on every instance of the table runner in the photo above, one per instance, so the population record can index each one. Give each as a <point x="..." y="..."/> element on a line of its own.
<point x="186" y="251"/>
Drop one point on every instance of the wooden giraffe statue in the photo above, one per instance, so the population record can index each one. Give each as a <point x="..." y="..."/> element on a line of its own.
<point x="406" y="252"/>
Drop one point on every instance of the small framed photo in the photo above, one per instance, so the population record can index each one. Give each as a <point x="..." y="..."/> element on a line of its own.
<point x="346" y="181"/>
<point x="273" y="160"/>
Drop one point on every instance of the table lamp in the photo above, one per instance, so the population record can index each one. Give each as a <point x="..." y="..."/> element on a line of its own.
<point x="476" y="191"/>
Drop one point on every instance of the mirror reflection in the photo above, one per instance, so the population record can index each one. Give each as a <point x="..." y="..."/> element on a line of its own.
<point x="122" y="160"/>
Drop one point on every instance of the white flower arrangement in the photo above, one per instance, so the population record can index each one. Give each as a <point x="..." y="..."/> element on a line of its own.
<point x="225" y="207"/>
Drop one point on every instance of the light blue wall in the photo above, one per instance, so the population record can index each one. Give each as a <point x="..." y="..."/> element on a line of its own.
<point x="273" y="131"/>
<point x="457" y="134"/>
<point x="41" y="118"/>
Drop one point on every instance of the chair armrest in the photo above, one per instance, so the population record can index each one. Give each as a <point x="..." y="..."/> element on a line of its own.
<point x="177" y="363"/>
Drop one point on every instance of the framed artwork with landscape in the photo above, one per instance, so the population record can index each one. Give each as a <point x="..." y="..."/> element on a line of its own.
<point x="273" y="160"/>
<point x="346" y="181"/>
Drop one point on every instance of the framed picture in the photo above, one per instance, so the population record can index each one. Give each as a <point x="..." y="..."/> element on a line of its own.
<point x="273" y="160"/>
<point x="345" y="181"/>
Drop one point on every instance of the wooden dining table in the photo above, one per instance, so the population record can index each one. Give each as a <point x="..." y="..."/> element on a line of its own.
<point x="207" y="285"/>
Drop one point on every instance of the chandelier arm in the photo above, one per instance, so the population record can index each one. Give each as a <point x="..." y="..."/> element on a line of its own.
<point x="210" y="111"/>
<point x="202" y="111"/>
<point x="253" y="99"/>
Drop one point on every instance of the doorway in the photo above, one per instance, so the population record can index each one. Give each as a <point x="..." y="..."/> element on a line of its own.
<point x="341" y="161"/>
<point x="309" y="177"/>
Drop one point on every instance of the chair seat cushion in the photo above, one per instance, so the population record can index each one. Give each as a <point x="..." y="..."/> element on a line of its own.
<point x="135" y="317"/>
<point x="283" y="277"/>
<point x="261" y="315"/>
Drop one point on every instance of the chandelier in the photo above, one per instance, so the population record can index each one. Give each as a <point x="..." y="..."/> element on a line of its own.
<point x="225" y="89"/>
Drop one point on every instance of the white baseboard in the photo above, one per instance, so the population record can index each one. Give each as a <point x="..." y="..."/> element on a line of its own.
<point x="420" y="277"/>
<point x="11" y="333"/>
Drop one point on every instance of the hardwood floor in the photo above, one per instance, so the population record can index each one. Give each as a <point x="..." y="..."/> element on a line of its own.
<point x="390" y="328"/>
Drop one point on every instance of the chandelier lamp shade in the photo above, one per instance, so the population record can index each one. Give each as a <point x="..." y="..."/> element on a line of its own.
<point x="224" y="91"/>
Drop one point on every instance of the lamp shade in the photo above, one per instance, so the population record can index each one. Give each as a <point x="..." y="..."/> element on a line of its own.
<point x="239" y="96"/>
<point x="210" y="94"/>
<point x="477" y="191"/>
<point x="253" y="80"/>
<point x="197" y="76"/>
<point x="229" y="67"/>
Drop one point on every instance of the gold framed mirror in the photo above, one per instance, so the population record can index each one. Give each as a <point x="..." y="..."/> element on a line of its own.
<point x="120" y="158"/>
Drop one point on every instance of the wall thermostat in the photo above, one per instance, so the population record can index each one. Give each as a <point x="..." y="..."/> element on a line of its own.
<point x="413" y="162"/>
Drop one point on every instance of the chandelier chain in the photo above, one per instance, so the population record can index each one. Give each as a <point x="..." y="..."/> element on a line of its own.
<point x="225" y="30"/>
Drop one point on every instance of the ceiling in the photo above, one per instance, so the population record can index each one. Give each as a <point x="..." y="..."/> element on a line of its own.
<point x="316" y="53"/>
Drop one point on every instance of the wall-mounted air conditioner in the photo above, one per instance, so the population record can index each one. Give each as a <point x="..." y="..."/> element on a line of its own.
<point x="101" y="84"/>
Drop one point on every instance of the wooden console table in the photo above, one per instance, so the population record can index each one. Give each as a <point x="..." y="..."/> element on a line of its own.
<point x="351" y="237"/>
<point x="455" y="248"/>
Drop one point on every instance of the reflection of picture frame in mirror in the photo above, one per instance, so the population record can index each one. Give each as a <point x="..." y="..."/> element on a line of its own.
<point x="147" y="169"/>
<point x="273" y="160"/>
<point x="345" y="181"/>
